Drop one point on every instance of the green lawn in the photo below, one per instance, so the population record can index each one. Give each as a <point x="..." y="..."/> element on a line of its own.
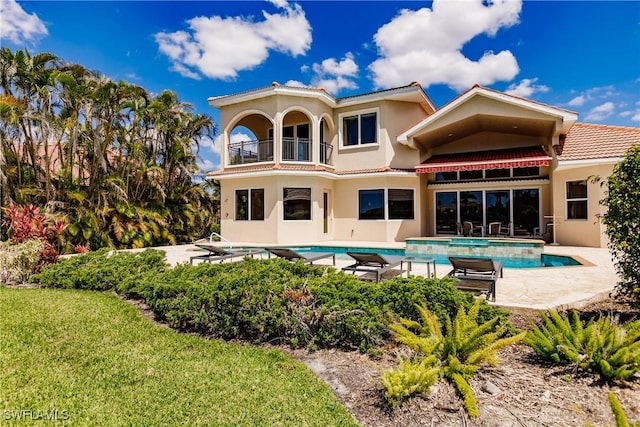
<point x="96" y="361"/>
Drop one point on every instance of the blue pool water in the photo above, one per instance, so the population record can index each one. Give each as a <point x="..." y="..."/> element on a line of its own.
<point x="546" y="260"/>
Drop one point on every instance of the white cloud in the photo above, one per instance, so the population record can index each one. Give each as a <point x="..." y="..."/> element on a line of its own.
<point x="334" y="75"/>
<point x="526" y="88"/>
<point x="426" y="45"/>
<point x="219" y="47"/>
<point x="295" y="83"/>
<point x="593" y="94"/>
<point x="633" y="114"/>
<point x="17" y="25"/>
<point x="206" y="165"/>
<point x="578" y="101"/>
<point x="600" y="112"/>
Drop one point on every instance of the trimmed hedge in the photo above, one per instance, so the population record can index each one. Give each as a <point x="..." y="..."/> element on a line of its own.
<point x="264" y="300"/>
<point x="100" y="270"/>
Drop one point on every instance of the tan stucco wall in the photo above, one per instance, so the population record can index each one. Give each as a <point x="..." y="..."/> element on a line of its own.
<point x="343" y="211"/>
<point x="589" y="232"/>
<point x="490" y="107"/>
<point x="349" y="227"/>
<point x="489" y="141"/>
<point x="393" y="118"/>
<point x="274" y="229"/>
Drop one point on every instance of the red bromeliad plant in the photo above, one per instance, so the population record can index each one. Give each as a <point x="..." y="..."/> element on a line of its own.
<point x="28" y="223"/>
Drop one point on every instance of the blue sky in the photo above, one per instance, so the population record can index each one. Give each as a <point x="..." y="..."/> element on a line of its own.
<point x="579" y="55"/>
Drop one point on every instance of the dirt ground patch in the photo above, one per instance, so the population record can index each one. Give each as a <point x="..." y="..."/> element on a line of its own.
<point x="521" y="390"/>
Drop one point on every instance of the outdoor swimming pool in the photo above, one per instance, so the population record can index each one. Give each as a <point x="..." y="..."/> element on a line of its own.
<point x="546" y="260"/>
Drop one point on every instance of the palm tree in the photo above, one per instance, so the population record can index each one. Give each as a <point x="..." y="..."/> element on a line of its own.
<point x="116" y="161"/>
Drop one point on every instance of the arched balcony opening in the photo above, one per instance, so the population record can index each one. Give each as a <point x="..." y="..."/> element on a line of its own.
<point x="251" y="140"/>
<point x="326" y="149"/>
<point x="296" y="137"/>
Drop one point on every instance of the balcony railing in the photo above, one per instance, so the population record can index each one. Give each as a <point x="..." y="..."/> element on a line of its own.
<point x="293" y="150"/>
<point x="325" y="153"/>
<point x="296" y="149"/>
<point x="257" y="150"/>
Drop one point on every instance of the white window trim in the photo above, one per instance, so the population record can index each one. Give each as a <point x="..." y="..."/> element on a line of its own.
<point x="577" y="199"/>
<point x="358" y="113"/>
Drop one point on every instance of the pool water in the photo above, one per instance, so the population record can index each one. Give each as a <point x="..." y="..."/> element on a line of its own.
<point x="546" y="260"/>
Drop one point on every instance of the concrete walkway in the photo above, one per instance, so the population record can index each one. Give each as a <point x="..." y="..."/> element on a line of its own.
<point x="524" y="288"/>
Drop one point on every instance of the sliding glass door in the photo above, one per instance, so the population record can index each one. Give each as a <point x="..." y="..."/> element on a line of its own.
<point x="519" y="207"/>
<point x="526" y="211"/>
<point x="498" y="206"/>
<point x="446" y="212"/>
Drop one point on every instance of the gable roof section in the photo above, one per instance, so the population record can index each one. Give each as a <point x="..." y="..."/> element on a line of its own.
<point x="567" y="117"/>
<point x="274" y="88"/>
<point x="589" y="141"/>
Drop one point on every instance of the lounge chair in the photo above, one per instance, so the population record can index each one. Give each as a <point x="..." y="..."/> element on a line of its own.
<point x="373" y="263"/>
<point x="476" y="274"/>
<point x="307" y="258"/>
<point x="216" y="253"/>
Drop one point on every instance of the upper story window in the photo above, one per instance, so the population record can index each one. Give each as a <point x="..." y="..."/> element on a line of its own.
<point x="360" y="129"/>
<point x="577" y="199"/>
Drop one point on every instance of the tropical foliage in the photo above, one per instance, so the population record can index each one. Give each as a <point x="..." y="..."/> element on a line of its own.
<point x="27" y="223"/>
<point x="113" y="158"/>
<point x="602" y="346"/>
<point x="622" y="223"/>
<point x="454" y="352"/>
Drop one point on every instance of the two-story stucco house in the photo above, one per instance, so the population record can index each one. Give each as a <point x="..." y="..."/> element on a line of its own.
<point x="386" y="166"/>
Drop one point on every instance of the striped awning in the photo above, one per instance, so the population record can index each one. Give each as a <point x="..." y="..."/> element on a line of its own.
<point x="480" y="160"/>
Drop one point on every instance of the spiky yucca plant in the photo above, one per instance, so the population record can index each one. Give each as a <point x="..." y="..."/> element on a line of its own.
<point x="455" y="355"/>
<point x="602" y="346"/>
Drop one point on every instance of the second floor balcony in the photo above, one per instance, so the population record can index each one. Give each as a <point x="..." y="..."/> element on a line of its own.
<point x="262" y="150"/>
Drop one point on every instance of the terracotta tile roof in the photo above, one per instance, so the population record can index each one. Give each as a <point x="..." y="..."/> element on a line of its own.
<point x="490" y="159"/>
<point x="588" y="141"/>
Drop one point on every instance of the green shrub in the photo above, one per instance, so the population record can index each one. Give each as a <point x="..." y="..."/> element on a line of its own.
<point x="601" y="346"/>
<point x="19" y="260"/>
<point x="620" y="218"/>
<point x="455" y="351"/>
<point x="261" y="300"/>
<point x="100" y="270"/>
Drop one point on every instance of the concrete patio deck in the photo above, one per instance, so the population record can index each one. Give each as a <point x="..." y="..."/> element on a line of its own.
<point x="520" y="288"/>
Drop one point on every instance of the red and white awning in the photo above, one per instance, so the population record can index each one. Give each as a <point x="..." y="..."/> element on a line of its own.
<point x="479" y="160"/>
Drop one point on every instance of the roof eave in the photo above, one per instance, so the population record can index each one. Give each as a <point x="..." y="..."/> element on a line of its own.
<point x="565" y="119"/>
<point x="226" y="100"/>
